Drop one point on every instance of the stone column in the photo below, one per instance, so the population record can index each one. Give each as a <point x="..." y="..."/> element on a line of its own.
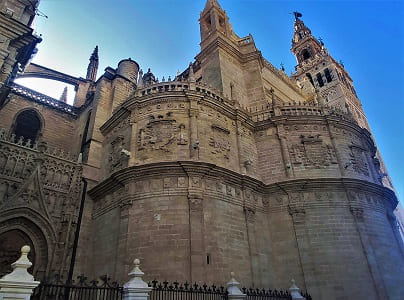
<point x="133" y="140"/>
<point x="285" y="153"/>
<point x="234" y="291"/>
<point x="193" y="127"/>
<point x="19" y="284"/>
<point x="136" y="288"/>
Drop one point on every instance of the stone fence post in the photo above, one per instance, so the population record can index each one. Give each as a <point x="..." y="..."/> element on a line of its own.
<point x="136" y="288"/>
<point x="295" y="292"/>
<point x="234" y="291"/>
<point x="19" y="284"/>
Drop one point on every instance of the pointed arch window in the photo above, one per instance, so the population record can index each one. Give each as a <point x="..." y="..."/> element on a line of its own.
<point x="27" y="125"/>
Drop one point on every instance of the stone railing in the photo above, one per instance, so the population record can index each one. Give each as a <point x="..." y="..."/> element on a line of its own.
<point x="245" y="40"/>
<point x="43" y="99"/>
<point x="178" y="86"/>
<point x="262" y="113"/>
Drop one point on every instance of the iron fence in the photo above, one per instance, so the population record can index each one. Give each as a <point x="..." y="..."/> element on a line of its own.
<point x="56" y="289"/>
<point x="186" y="291"/>
<point x="262" y="294"/>
<point x="104" y="289"/>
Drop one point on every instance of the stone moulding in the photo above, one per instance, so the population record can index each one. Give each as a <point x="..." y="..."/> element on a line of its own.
<point x="211" y="171"/>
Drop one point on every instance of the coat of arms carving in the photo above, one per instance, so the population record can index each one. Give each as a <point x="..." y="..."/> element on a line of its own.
<point x="312" y="152"/>
<point x="160" y="134"/>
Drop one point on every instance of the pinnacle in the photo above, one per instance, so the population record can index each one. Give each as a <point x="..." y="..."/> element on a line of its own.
<point x="63" y="97"/>
<point x="94" y="55"/>
<point x="212" y="3"/>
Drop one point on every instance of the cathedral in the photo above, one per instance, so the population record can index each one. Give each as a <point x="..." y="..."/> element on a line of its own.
<point x="231" y="166"/>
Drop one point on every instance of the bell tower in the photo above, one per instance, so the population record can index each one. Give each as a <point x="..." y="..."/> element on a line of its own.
<point x="315" y="66"/>
<point x="214" y="19"/>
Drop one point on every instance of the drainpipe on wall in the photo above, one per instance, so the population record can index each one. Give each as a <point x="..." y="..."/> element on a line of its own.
<point x="77" y="234"/>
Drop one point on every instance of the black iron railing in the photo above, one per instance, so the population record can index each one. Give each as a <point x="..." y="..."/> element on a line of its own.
<point x="107" y="290"/>
<point x="262" y="294"/>
<point x="186" y="291"/>
<point x="82" y="290"/>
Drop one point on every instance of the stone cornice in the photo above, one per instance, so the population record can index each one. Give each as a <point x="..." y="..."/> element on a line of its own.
<point x="208" y="170"/>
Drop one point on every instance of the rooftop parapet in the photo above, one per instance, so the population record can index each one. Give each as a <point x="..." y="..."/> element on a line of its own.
<point x="266" y="112"/>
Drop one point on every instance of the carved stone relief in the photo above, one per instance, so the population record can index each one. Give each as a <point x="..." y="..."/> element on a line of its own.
<point x="312" y="152"/>
<point x="358" y="160"/>
<point x="118" y="157"/>
<point x="219" y="141"/>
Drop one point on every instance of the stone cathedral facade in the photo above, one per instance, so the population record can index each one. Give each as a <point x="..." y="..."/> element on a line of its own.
<point x="230" y="166"/>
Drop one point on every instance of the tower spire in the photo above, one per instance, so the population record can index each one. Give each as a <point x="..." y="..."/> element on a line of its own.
<point x="93" y="65"/>
<point x="304" y="45"/>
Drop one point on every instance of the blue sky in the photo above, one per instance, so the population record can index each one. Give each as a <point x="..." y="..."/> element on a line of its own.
<point x="368" y="36"/>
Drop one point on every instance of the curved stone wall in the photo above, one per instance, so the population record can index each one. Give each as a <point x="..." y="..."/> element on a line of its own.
<point x="197" y="188"/>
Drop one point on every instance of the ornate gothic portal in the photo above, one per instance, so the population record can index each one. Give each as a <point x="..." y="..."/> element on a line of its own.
<point x="14" y="234"/>
<point x="10" y="244"/>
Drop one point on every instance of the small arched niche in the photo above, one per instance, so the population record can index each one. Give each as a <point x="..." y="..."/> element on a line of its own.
<point x="28" y="125"/>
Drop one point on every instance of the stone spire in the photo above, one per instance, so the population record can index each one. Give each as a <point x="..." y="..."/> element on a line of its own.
<point x="93" y="65"/>
<point x="63" y="97"/>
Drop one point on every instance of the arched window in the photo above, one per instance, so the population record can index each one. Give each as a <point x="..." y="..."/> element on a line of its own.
<point x="27" y="125"/>
<point x="305" y="54"/>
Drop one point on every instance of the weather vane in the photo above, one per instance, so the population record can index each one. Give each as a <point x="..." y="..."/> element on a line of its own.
<point x="321" y="40"/>
<point x="297" y="15"/>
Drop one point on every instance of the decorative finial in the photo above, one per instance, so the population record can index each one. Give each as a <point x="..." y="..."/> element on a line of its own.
<point x="136" y="281"/>
<point x="191" y="73"/>
<point x="295" y="292"/>
<point x="232" y="286"/>
<point x="140" y="80"/>
<point x="25" y="249"/>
